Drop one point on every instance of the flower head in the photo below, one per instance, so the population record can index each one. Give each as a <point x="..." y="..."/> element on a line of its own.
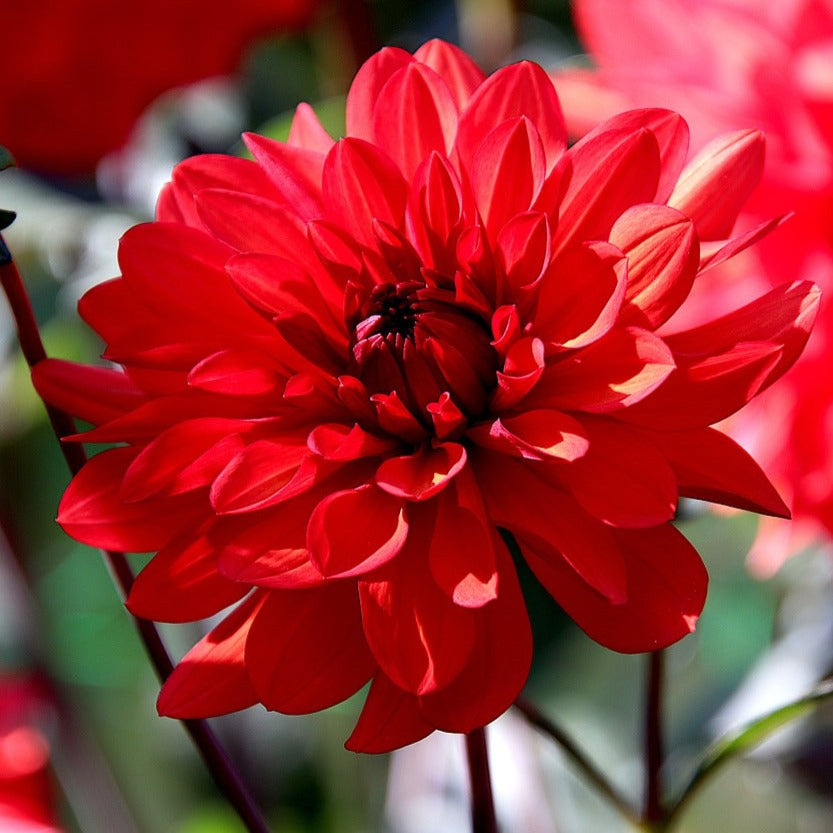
<point x="354" y="370"/>
<point x="727" y="65"/>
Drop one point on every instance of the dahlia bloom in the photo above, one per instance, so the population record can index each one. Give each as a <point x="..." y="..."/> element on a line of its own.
<point x="71" y="88"/>
<point x="725" y="65"/>
<point x="354" y="370"/>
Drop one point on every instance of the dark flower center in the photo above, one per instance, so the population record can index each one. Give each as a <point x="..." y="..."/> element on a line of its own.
<point x="417" y="341"/>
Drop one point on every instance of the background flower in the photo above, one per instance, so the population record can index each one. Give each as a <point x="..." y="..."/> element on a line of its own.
<point x="77" y="76"/>
<point x="725" y="65"/>
<point x="351" y="366"/>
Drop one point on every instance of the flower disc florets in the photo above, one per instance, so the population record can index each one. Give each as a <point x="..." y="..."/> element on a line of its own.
<point x="354" y="369"/>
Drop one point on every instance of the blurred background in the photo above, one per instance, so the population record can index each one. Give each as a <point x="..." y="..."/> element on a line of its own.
<point x="98" y="101"/>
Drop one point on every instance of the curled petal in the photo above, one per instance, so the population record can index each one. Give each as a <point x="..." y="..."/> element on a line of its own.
<point x="352" y="532"/>
<point x="522" y="89"/>
<point x="341" y="442"/>
<point x="460" y="73"/>
<point x="212" y="678"/>
<point x="711" y="466"/>
<point x="306" y="649"/>
<point x="534" y="435"/>
<point x="580" y="295"/>
<point x="414" y="115"/>
<point x="461" y="555"/>
<point x="389" y="720"/>
<point x="666" y="583"/>
<point x="421" y="475"/>
<point x="368" y="83"/>
<point x="662" y="250"/>
<point x="522" y="368"/>
<point x="502" y="654"/>
<point x="181" y="583"/>
<point x="307" y="131"/>
<point x="92" y="512"/>
<point x="611" y="374"/>
<point x="715" y="185"/>
<point x="419" y="637"/>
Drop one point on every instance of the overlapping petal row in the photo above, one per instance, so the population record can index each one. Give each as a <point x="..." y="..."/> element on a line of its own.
<point x="354" y="370"/>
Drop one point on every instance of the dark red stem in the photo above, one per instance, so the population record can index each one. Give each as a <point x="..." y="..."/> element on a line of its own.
<point x="216" y="760"/>
<point x="654" y="754"/>
<point x="483" y="819"/>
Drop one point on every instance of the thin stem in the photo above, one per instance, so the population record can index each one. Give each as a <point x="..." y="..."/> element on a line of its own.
<point x="216" y="760"/>
<point x="483" y="819"/>
<point x="653" y="810"/>
<point x="540" y="721"/>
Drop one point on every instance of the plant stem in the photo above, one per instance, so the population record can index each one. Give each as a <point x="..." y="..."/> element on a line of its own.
<point x="579" y="759"/>
<point x="216" y="760"/>
<point x="483" y="819"/>
<point x="653" y="809"/>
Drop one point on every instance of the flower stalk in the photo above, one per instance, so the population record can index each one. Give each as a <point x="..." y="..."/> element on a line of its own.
<point x="215" y="758"/>
<point x="653" y="808"/>
<point x="483" y="818"/>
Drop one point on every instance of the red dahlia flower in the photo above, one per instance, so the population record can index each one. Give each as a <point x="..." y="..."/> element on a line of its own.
<point x="726" y="64"/>
<point x="76" y="76"/>
<point x="354" y="369"/>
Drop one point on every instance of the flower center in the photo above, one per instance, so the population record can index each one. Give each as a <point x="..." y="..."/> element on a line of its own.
<point x="417" y="341"/>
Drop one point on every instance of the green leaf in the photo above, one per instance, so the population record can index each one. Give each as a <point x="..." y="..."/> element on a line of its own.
<point x="6" y="159"/>
<point x="744" y="739"/>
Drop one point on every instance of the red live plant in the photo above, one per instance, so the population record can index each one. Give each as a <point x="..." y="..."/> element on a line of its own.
<point x="77" y="76"/>
<point x="354" y="372"/>
<point x="727" y="64"/>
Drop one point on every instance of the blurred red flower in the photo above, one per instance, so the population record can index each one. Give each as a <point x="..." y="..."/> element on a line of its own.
<point x="27" y="800"/>
<point x="726" y="64"/>
<point x="351" y="367"/>
<point x="76" y="76"/>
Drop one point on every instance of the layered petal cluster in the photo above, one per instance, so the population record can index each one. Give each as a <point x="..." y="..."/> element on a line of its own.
<point x="356" y="372"/>
<point x="71" y="89"/>
<point x="724" y="66"/>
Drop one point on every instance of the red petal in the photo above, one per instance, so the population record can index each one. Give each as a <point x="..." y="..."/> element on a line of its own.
<point x="389" y="720"/>
<point x="522" y="369"/>
<point x="507" y="172"/>
<point x="607" y="173"/>
<point x="522" y="89"/>
<point x="663" y="256"/>
<point x="462" y="551"/>
<point x="419" y="637"/>
<point x="237" y="372"/>
<point x="534" y="435"/>
<point x="523" y="250"/>
<point x="295" y="172"/>
<point x="535" y="511"/>
<point x="356" y="530"/>
<point x="459" y="72"/>
<point x="497" y="668"/>
<point x="580" y="295"/>
<point x="307" y="131"/>
<point x="715" y="185"/>
<point x="341" y="442"/>
<point x="362" y="183"/>
<point x="366" y="86"/>
<point x="666" y="583"/>
<point x="672" y="134"/>
<point x="623" y="479"/>
<point x="421" y="475"/>
<point x="185" y="456"/>
<point x="92" y="512"/>
<point x="611" y="374"/>
<point x="212" y="679"/>
<point x="306" y="650"/>
<point x="181" y="583"/>
<point x="94" y="394"/>
<point x="413" y="116"/>
<point x="259" y="475"/>
<point x="711" y="466"/>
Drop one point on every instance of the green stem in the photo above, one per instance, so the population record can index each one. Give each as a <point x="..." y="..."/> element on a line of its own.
<point x="540" y="721"/>
<point x="483" y="819"/>
<point x="216" y="760"/>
